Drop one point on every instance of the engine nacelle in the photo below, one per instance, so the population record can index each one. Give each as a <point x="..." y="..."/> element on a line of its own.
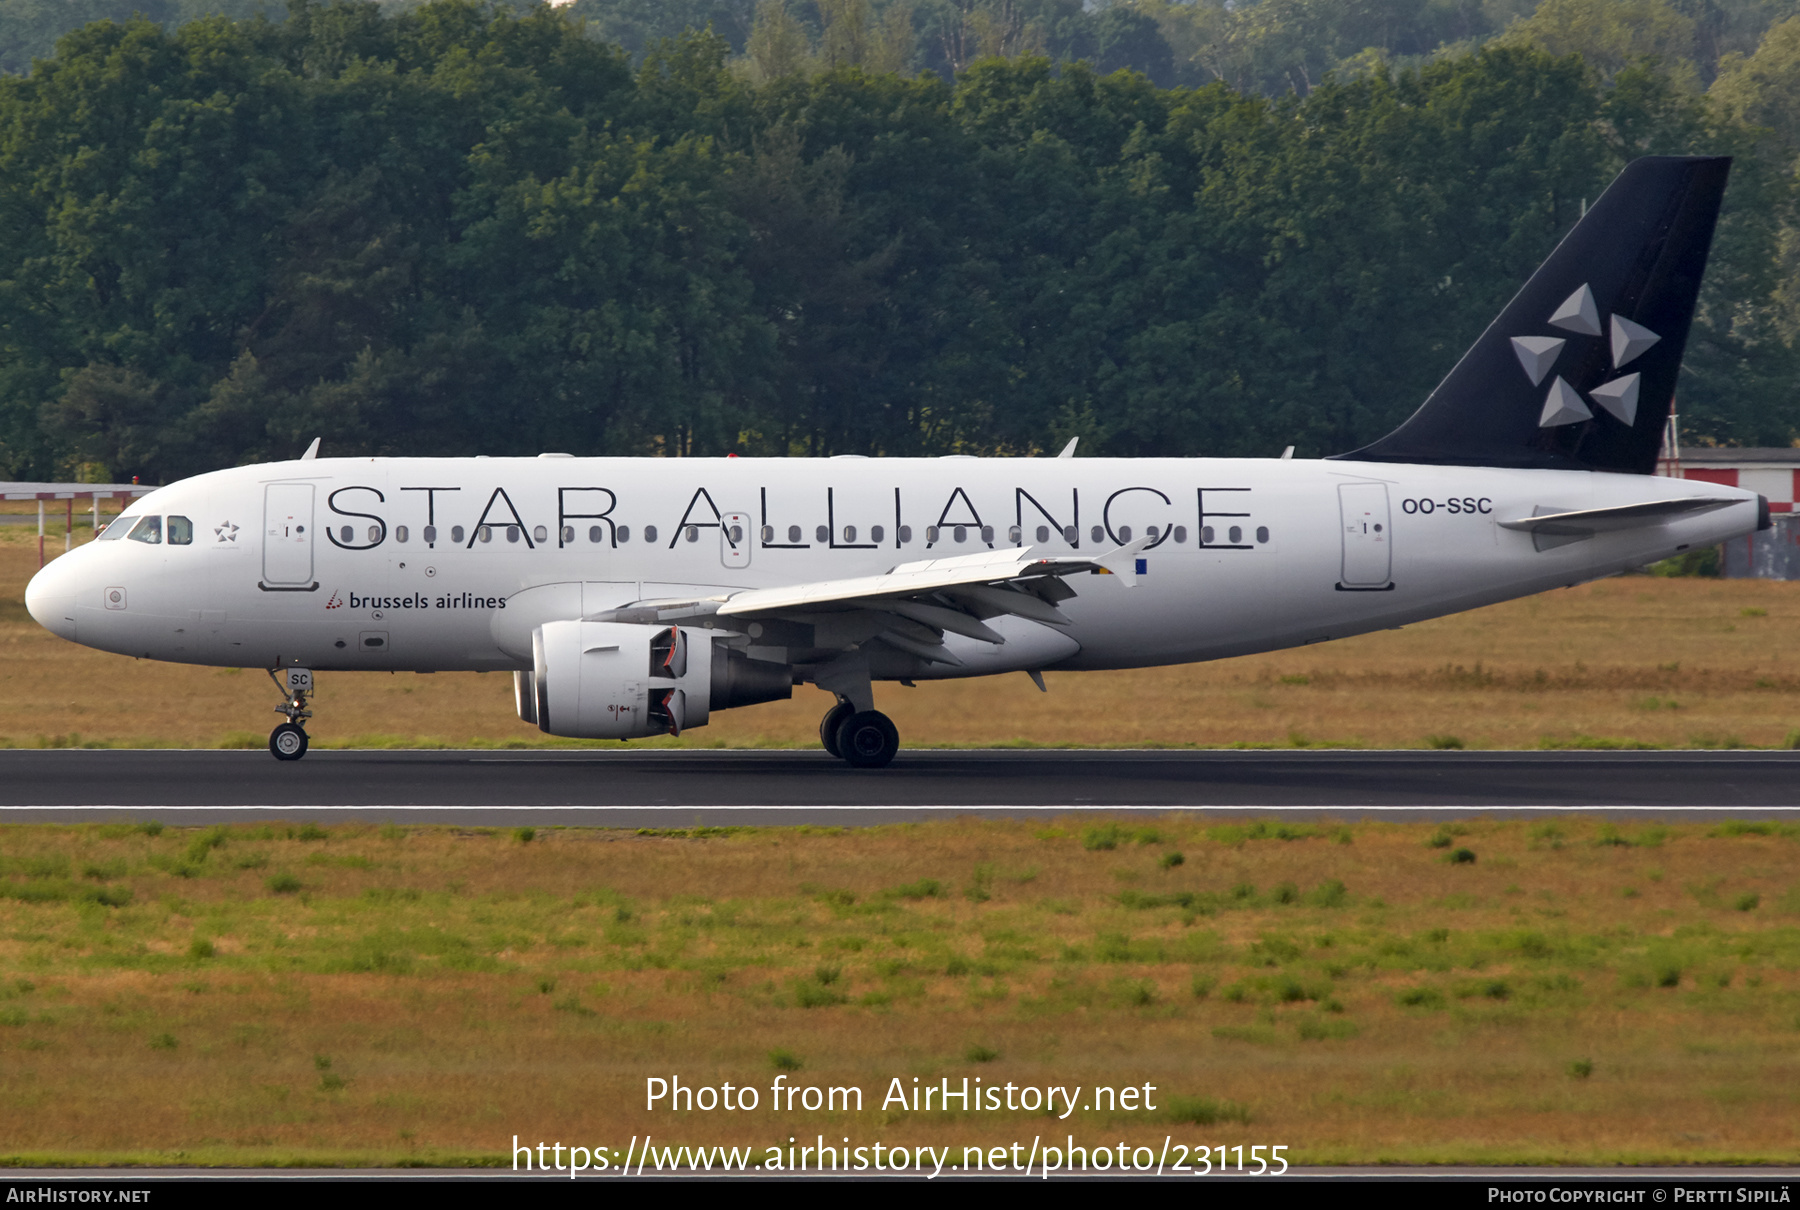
<point x="619" y="680"/>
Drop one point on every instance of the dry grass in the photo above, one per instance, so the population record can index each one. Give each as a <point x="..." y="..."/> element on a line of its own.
<point x="1630" y="661"/>
<point x="1576" y="994"/>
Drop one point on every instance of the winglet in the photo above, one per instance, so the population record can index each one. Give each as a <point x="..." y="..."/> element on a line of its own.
<point x="1122" y="561"/>
<point x="312" y="451"/>
<point x="1068" y="451"/>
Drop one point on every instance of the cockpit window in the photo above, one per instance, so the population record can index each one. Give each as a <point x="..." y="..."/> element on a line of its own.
<point x="181" y="531"/>
<point x="148" y="531"/>
<point x="117" y="528"/>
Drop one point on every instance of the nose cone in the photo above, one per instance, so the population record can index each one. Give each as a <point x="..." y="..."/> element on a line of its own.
<point x="50" y="598"/>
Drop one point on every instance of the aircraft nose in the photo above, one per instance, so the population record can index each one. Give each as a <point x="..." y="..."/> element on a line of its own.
<point x="50" y="598"/>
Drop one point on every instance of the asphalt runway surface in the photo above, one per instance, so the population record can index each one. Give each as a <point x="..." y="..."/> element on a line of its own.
<point x="623" y="788"/>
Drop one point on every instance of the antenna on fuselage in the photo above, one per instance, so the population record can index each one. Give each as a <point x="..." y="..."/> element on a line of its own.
<point x="1287" y="454"/>
<point x="312" y="451"/>
<point x="1068" y="451"/>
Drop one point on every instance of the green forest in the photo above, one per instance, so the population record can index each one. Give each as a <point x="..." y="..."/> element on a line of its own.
<point x="845" y="226"/>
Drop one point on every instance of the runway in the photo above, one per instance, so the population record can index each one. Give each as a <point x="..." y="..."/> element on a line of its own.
<point x="588" y="787"/>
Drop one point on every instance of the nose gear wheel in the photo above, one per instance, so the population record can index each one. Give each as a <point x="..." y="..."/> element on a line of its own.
<point x="289" y="740"/>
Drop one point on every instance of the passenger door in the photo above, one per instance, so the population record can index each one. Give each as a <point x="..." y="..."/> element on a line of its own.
<point x="288" y="537"/>
<point x="1368" y="536"/>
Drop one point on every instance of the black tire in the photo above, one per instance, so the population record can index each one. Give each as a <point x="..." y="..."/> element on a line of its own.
<point x="868" y="739"/>
<point x="287" y="742"/>
<point x="828" y="727"/>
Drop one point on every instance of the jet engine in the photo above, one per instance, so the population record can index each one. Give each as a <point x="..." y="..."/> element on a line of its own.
<point x="618" y="680"/>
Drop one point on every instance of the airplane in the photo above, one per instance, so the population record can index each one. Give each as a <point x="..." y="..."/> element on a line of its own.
<point x="632" y="597"/>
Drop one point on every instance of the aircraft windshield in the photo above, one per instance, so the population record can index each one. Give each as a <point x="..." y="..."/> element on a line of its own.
<point x="117" y="528"/>
<point x="148" y="531"/>
<point x="181" y="531"/>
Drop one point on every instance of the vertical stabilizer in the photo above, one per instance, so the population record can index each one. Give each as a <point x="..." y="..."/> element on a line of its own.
<point x="1578" y="372"/>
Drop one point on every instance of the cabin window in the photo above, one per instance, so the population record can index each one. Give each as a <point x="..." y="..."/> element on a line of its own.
<point x="849" y="533"/>
<point x="1097" y="534"/>
<point x="346" y="534"/>
<point x="1070" y="534"/>
<point x="594" y="533"/>
<point x="1181" y="535"/>
<point x="430" y="532"/>
<point x="793" y="533"/>
<point x="1236" y="534"/>
<point x="181" y="531"/>
<point x="693" y="533"/>
<point x="1262" y="533"/>
<point x="768" y="534"/>
<point x="1152" y="531"/>
<point x="1124" y="533"/>
<point x="737" y="534"/>
<point x="987" y="533"/>
<point x="960" y="533"/>
<point x="456" y="534"/>
<point x="822" y="534"/>
<point x="374" y="534"/>
<point x="621" y="534"/>
<point x="539" y="534"/>
<point x="400" y="533"/>
<point x="875" y="532"/>
<point x="1206" y="535"/>
<point x="649" y="533"/>
<point x="1043" y="533"/>
<point x="903" y="534"/>
<point x="931" y="534"/>
<point x="147" y="531"/>
<point x="512" y="533"/>
<point x="485" y="533"/>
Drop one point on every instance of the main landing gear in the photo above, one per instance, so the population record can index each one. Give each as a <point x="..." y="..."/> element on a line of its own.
<point x="867" y="739"/>
<point x="288" y="741"/>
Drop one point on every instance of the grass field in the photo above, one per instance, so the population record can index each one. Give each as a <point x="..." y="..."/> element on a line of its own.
<point x="1504" y="992"/>
<point x="1632" y="661"/>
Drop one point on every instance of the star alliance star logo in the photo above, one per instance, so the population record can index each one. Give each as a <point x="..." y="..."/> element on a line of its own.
<point x="1564" y="404"/>
<point x="226" y="532"/>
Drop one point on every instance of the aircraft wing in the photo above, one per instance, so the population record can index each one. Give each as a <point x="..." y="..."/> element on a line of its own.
<point x="909" y="607"/>
<point x="1623" y="516"/>
<point x="908" y="580"/>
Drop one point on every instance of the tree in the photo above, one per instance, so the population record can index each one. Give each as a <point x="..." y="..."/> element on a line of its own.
<point x="778" y="46"/>
<point x="1609" y="34"/>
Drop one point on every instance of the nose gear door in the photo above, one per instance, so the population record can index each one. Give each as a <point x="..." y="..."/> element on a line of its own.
<point x="288" y="538"/>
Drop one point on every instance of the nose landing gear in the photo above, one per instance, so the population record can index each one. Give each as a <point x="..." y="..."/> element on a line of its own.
<point x="288" y="741"/>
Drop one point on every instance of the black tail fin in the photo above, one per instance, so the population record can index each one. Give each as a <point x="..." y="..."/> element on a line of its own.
<point x="1579" y="370"/>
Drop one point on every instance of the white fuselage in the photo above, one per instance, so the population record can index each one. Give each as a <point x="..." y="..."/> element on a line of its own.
<point x="431" y="564"/>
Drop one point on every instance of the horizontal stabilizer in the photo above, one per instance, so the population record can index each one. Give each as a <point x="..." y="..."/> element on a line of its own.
<point x="1582" y="522"/>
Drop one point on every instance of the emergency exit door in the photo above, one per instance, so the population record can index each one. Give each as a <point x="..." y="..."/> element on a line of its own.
<point x="734" y="539"/>
<point x="1368" y="536"/>
<point x="288" y="536"/>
